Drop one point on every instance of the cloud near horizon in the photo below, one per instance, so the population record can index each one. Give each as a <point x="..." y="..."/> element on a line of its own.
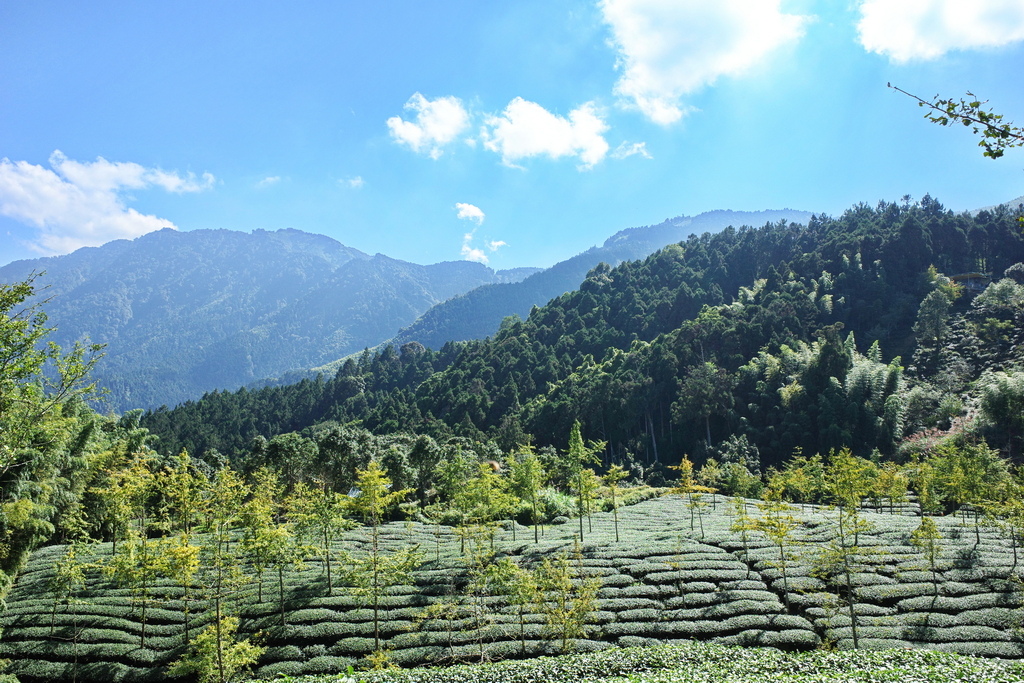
<point x="81" y="204"/>
<point x="927" y="29"/>
<point x="668" y="49"/>
<point x="473" y="214"/>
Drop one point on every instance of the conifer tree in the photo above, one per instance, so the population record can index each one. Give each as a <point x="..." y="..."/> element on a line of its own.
<point x="565" y="597"/>
<point x="577" y="457"/>
<point x="777" y="524"/>
<point x="616" y="473"/>
<point x="376" y="571"/>
<point x="526" y="477"/>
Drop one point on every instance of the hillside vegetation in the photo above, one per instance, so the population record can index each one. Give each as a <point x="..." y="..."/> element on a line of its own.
<point x="832" y="412"/>
<point x="751" y="342"/>
<point x="709" y="663"/>
<point x="479" y="312"/>
<point x="716" y="571"/>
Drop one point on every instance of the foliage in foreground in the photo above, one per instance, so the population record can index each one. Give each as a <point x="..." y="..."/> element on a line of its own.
<point x="710" y="663"/>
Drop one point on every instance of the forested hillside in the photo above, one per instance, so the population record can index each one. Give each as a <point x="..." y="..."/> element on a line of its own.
<point x="844" y="363"/>
<point x="748" y="345"/>
<point x="182" y="313"/>
<point x="479" y="312"/>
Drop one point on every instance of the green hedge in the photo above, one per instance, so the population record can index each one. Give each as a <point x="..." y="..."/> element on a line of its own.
<point x="961" y="604"/>
<point x="623" y="604"/>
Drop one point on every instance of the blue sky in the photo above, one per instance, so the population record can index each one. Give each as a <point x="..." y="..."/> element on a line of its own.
<point x="514" y="133"/>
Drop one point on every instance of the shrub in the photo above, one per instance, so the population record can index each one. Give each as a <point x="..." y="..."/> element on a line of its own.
<point x="324" y="664"/>
<point x="623" y="604"/>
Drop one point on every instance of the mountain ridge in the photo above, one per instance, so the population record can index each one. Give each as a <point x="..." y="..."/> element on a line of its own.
<point x="184" y="313"/>
<point x="479" y="312"/>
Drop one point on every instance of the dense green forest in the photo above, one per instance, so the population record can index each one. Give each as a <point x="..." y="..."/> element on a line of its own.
<point x="478" y="313"/>
<point x="746" y="345"/>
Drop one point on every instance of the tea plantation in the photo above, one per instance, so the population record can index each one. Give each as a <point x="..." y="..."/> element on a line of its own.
<point x="710" y="663"/>
<point x="684" y="570"/>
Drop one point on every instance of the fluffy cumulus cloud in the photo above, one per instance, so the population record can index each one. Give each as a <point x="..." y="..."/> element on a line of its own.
<point x="436" y="124"/>
<point x="471" y="253"/>
<point x="925" y="29"/>
<point x="268" y="181"/>
<point x="671" y="48"/>
<point x="525" y="129"/>
<point x="355" y="182"/>
<point x="75" y="204"/>
<point x="469" y="212"/>
<point x="473" y="214"/>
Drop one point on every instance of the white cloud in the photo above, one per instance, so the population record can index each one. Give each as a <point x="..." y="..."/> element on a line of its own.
<point x="437" y="123"/>
<point x="671" y="48"/>
<point x="78" y="204"/>
<point x="354" y="182"/>
<point x="471" y="253"/>
<point x="469" y="212"/>
<point x="926" y="29"/>
<point x="626" y="149"/>
<point x="268" y="181"/>
<point x="526" y="129"/>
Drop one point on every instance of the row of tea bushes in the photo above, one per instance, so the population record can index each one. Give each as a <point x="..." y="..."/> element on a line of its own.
<point x="711" y="663"/>
<point x="679" y="573"/>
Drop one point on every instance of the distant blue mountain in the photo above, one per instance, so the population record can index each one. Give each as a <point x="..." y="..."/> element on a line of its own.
<point x="183" y="313"/>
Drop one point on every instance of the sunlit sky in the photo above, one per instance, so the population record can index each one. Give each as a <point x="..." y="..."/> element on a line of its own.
<point x="515" y="133"/>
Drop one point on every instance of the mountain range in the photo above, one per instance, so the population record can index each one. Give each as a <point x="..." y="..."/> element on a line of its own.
<point x="184" y="313"/>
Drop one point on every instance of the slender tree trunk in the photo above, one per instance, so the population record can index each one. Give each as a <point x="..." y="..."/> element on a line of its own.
<point x="533" y="501"/>
<point x="280" y="591"/>
<point x="376" y="592"/>
<point x="218" y="615"/>
<point x="849" y="581"/>
<point x="615" y="516"/>
<point x="654" y="441"/>
<point x="327" y="558"/>
<point x="785" y="577"/>
<point x="187" y="596"/>
<point x="1013" y="544"/>
<point x="579" y="486"/>
<point x="145" y="582"/>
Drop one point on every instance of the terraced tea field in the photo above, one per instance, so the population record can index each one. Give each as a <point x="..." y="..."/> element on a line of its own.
<point x="710" y="663"/>
<point x="678" y="573"/>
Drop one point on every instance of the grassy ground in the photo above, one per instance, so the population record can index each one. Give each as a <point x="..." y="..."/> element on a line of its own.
<point x="669" y="579"/>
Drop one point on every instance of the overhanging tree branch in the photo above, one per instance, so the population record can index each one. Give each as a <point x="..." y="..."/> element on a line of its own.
<point x="996" y="135"/>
